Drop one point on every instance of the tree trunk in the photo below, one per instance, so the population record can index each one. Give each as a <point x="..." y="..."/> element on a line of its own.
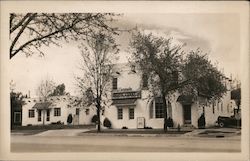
<point x="98" y="117"/>
<point x="165" y="112"/>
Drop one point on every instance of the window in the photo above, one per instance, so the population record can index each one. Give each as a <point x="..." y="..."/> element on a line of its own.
<point x="48" y="115"/>
<point x="151" y="109"/>
<point x="221" y="106"/>
<point x="131" y="113"/>
<point x="159" y="108"/>
<point x="114" y="83"/>
<point x="31" y="113"/>
<point x="77" y="111"/>
<point x="57" y="111"/>
<point x="228" y="108"/>
<point x="218" y="106"/>
<point x="144" y="81"/>
<point x="87" y="111"/>
<point x="119" y="113"/>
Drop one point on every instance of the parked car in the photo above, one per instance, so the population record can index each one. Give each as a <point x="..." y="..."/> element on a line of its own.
<point x="228" y="121"/>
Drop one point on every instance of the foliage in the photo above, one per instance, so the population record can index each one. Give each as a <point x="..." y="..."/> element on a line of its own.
<point x="94" y="119"/>
<point x="30" y="31"/>
<point x="107" y="123"/>
<point x="45" y="88"/>
<point x="161" y="60"/>
<point x="96" y="68"/>
<point x="59" y="90"/>
<point x="202" y="121"/>
<point x="16" y="100"/>
<point x="205" y="79"/>
<point x="69" y="119"/>
<point x="170" y="71"/>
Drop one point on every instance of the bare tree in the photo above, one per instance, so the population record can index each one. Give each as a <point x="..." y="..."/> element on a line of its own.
<point x="96" y="67"/>
<point x="45" y="88"/>
<point x="30" y="31"/>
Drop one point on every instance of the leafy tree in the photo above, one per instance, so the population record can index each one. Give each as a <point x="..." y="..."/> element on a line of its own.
<point x="96" y="67"/>
<point x="30" y="31"/>
<point x="205" y="79"/>
<point x="59" y="90"/>
<point x="16" y="100"/>
<point x="169" y="71"/>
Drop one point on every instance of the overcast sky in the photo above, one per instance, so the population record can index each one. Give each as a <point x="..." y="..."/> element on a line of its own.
<point x="216" y="34"/>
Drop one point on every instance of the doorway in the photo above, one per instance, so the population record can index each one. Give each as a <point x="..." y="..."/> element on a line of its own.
<point x="187" y="114"/>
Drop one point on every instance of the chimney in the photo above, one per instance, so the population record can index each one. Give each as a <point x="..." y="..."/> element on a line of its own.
<point x="29" y="94"/>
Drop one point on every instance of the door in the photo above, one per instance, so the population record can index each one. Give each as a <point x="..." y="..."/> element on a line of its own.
<point x="17" y="118"/>
<point x="187" y="114"/>
<point x="48" y="115"/>
<point x="39" y="115"/>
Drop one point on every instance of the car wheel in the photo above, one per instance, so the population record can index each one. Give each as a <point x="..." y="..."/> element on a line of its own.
<point x="221" y="124"/>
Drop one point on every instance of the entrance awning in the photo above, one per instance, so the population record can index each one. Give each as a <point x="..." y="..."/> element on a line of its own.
<point x="124" y="102"/>
<point x="185" y="99"/>
<point x="42" y="106"/>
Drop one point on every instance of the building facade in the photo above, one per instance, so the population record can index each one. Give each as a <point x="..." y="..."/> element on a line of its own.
<point x="55" y="110"/>
<point x="133" y="107"/>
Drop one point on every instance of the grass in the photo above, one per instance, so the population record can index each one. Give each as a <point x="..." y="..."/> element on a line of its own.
<point x="50" y="127"/>
<point x="138" y="131"/>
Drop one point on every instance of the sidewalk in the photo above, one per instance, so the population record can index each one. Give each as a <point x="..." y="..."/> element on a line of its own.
<point x="204" y="133"/>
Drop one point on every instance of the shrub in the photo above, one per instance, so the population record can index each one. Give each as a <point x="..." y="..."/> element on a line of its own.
<point x="124" y="127"/>
<point x="148" y="127"/>
<point x="94" y="119"/>
<point x="69" y="120"/>
<point x="170" y="122"/>
<point x="201" y="122"/>
<point x="107" y="123"/>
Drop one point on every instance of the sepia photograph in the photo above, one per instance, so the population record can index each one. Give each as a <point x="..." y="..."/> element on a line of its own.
<point x="126" y="81"/>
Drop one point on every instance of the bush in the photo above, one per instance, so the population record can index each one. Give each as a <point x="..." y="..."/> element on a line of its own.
<point x="70" y="119"/>
<point x="124" y="127"/>
<point x="148" y="127"/>
<point x="94" y="119"/>
<point x="201" y="122"/>
<point x="107" y="123"/>
<point x="170" y="122"/>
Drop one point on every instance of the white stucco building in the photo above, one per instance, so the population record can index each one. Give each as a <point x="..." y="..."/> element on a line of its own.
<point x="133" y="108"/>
<point x="56" y="109"/>
<point x="130" y="106"/>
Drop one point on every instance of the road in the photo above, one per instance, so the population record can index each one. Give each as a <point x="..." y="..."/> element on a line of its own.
<point x="33" y="143"/>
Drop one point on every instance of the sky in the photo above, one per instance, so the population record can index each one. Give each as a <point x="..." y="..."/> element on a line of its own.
<point x="218" y="35"/>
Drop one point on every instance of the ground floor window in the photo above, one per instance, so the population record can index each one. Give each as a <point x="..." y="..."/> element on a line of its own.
<point x="119" y="113"/>
<point x="31" y="113"/>
<point x="159" y="111"/>
<point x="131" y="113"/>
<point x="57" y="111"/>
<point x="77" y="111"/>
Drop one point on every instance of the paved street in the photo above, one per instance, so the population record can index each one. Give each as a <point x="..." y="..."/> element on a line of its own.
<point x="47" y="142"/>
